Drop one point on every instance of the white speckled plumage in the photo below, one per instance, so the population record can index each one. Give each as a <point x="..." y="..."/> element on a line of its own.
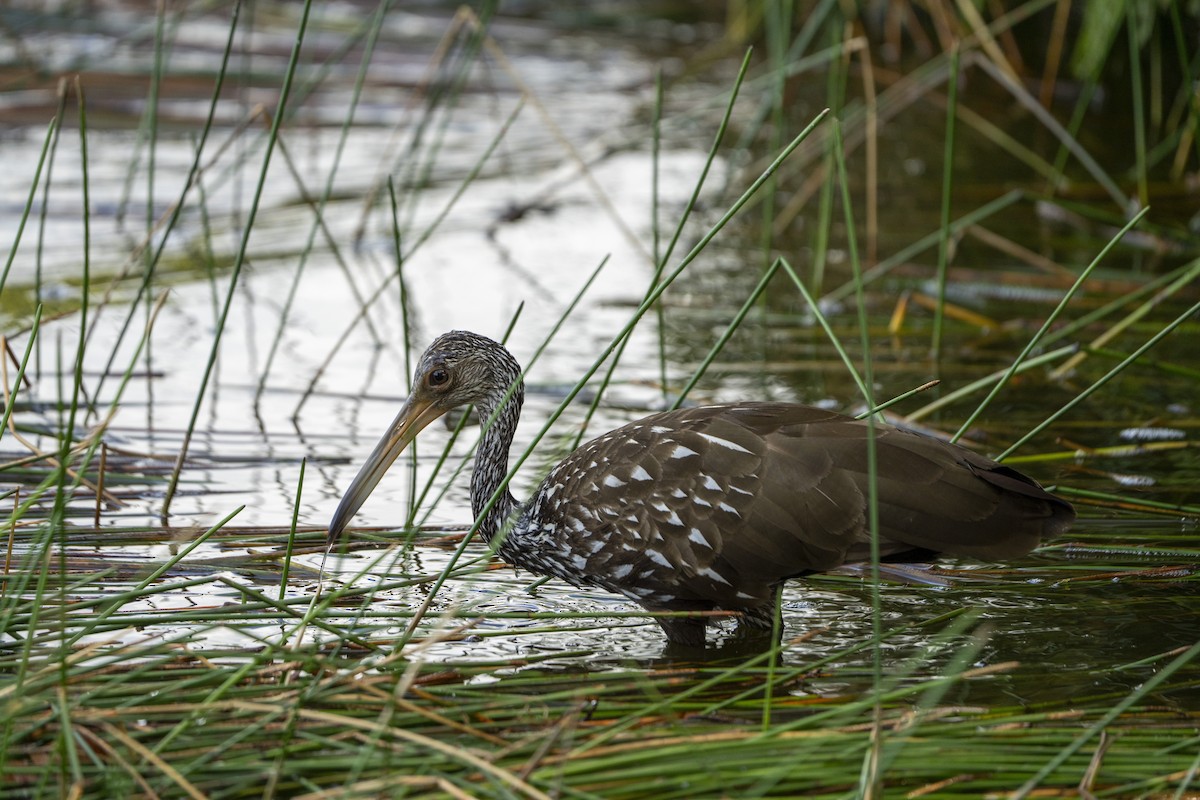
<point x="712" y="507"/>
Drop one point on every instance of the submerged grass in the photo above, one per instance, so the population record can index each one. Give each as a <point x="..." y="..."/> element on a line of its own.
<point x="204" y="661"/>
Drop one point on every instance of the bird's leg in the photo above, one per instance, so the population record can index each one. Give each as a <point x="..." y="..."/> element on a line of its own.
<point x="686" y="631"/>
<point x="760" y="622"/>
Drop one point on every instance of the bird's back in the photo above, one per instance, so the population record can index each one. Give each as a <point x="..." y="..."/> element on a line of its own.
<point x="713" y="506"/>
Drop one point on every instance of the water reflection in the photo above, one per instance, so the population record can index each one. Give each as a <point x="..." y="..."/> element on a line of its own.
<point x="260" y="420"/>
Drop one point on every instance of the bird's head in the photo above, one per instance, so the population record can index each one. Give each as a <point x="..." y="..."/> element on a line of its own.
<point x="459" y="368"/>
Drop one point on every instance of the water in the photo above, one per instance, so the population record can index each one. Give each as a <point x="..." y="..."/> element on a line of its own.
<point x="526" y="234"/>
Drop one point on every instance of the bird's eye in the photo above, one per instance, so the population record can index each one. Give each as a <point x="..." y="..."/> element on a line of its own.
<point x="438" y="377"/>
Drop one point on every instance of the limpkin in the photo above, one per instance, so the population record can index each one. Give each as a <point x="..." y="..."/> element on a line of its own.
<point x="713" y="507"/>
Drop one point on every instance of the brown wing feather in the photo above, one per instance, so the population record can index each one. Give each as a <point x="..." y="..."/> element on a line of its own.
<point x="715" y="505"/>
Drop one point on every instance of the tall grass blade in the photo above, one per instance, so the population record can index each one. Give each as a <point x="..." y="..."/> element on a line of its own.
<point x="239" y="260"/>
<point x="947" y="183"/>
<point x="1099" y="382"/>
<point x="1037" y="337"/>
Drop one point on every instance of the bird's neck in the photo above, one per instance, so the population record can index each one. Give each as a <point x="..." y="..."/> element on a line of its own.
<point x="491" y="462"/>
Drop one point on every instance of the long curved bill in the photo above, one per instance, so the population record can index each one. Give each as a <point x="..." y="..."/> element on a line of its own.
<point x="411" y="420"/>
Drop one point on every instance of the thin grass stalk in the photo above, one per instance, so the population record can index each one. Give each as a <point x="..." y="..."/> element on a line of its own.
<point x="1030" y="103"/>
<point x="640" y="311"/>
<point x="871" y="148"/>
<point x="70" y="772"/>
<point x="112" y="607"/>
<point x="1096" y="346"/>
<point x="1190" y="99"/>
<point x="1139" y="113"/>
<point x="777" y="23"/>
<point x="970" y="388"/>
<point x="406" y="342"/>
<point x="925" y="242"/>
<point x="146" y="119"/>
<point x="55" y="133"/>
<point x="835" y="97"/>
<point x="239" y="259"/>
<point x="150" y="117"/>
<point x="385" y="285"/>
<point x="101" y="471"/>
<point x="749" y="303"/>
<point x="656" y="231"/>
<point x="963" y="660"/>
<point x="207" y="250"/>
<point x="418" y="163"/>
<point x="21" y="508"/>
<point x="1156" y="88"/>
<point x="191" y="181"/>
<point x="291" y="540"/>
<point x="57" y="517"/>
<point x="1054" y="50"/>
<point x="1174" y="280"/>
<point x="660" y="265"/>
<point x="824" y="219"/>
<point x="815" y="308"/>
<point x="643" y="308"/>
<point x="1187" y="779"/>
<point x="51" y="135"/>
<point x="8" y="552"/>
<point x="466" y="540"/>
<point x="924" y="387"/>
<point x="464" y="418"/>
<point x="1109" y="716"/>
<point x="1112" y="373"/>
<point x="718" y="138"/>
<point x="372" y="35"/>
<point x="1041" y="332"/>
<point x="1141" y="503"/>
<point x="947" y="184"/>
<point x="10" y="393"/>
<point x="870" y="778"/>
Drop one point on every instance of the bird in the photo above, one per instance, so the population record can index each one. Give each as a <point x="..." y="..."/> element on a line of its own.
<point x="712" y="508"/>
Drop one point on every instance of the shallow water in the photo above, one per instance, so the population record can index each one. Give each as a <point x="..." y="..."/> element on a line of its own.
<point x="528" y="232"/>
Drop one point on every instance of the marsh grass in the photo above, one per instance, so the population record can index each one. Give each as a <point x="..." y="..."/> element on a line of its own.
<point x="206" y="661"/>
